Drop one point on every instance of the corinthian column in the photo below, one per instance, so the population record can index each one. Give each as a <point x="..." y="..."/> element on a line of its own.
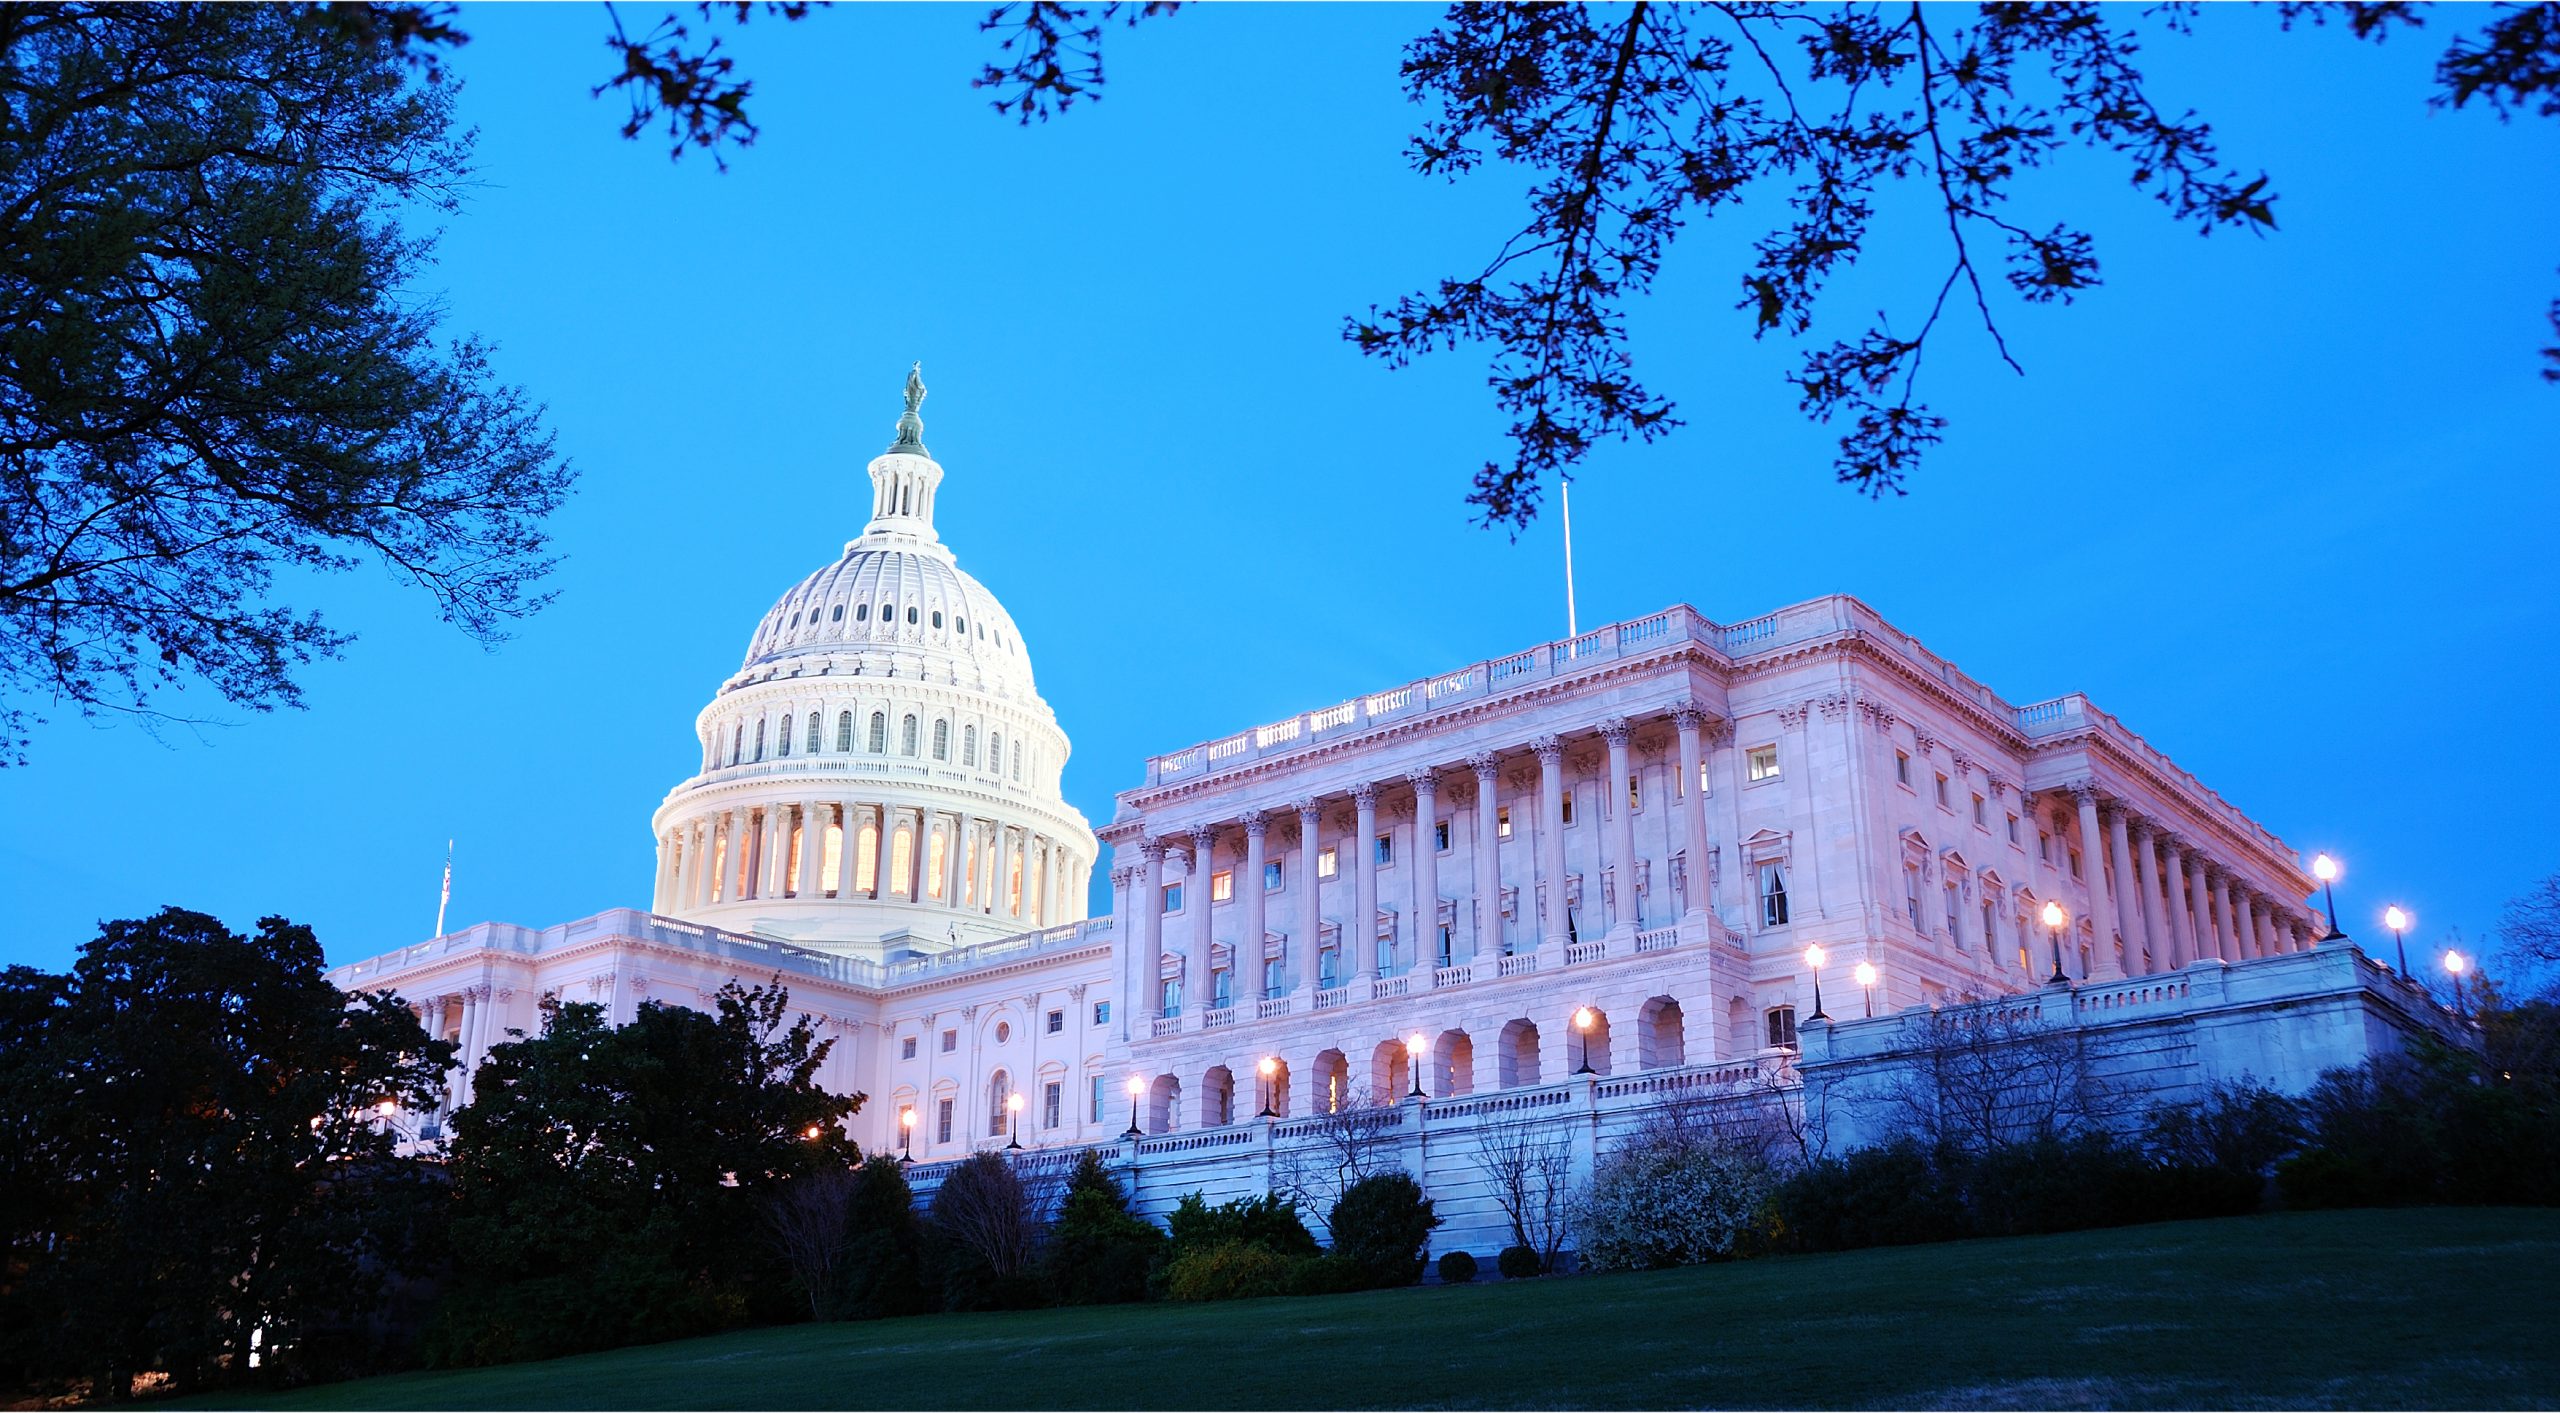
<point x="1364" y="851"/>
<point x="1550" y="751"/>
<point x="1693" y="808"/>
<point x="1249" y="888"/>
<point x="1488" y="768"/>
<point x="1308" y="936"/>
<point x="2199" y="906"/>
<point x="1195" y="976"/>
<point x="2093" y="868"/>
<point x="1426" y="871"/>
<point x="1628" y="915"/>
<point x="2154" y="930"/>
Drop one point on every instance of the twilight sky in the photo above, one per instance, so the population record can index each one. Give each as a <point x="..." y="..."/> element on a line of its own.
<point x="2287" y="505"/>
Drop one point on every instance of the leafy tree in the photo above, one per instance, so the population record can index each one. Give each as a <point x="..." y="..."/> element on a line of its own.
<point x="194" y="1155"/>
<point x="609" y="1180"/>
<point x="218" y="368"/>
<point x="1634" y="120"/>
<point x="883" y="1262"/>
<point x="1099" y="1252"/>
<point x="987" y="1236"/>
<point x="1383" y="1224"/>
<point x="1270" y="1221"/>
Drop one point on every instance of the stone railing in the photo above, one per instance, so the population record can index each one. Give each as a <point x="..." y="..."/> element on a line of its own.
<point x="749" y="952"/>
<point x="2064" y="715"/>
<point x="1063" y="938"/>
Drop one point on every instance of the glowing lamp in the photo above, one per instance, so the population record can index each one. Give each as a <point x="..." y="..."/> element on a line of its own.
<point x="813" y="1133"/>
<point x="386" y="1108"/>
<point x="2324" y="868"/>
<point x="1866" y="973"/>
<point x="1583" y="1018"/>
<point x="2455" y="962"/>
<point x="906" y="1118"/>
<point x="1137" y="1086"/>
<point x="2054" y="916"/>
<point x="1269" y="1067"/>
<point x="1813" y="957"/>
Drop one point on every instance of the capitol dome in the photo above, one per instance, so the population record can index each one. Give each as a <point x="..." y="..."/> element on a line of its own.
<point x="880" y="776"/>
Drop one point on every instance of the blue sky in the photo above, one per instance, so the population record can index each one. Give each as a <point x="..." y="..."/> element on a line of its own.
<point x="2285" y="505"/>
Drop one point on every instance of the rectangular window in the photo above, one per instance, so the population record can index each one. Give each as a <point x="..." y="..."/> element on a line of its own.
<point x="2044" y="846"/>
<point x="1327" y="862"/>
<point x="2013" y="829"/>
<point x="1902" y="767"/>
<point x="1911" y="898"/>
<point x="1093" y="1110"/>
<point x="1763" y="763"/>
<point x="1050" y="1103"/>
<point x="1057" y="1021"/>
<point x="1502" y="822"/>
<point x="1444" y="944"/>
<point x="1568" y="805"/>
<point x="1440" y="836"/>
<point x="1173" y="897"/>
<point x="1222" y="885"/>
<point x="1386" y="849"/>
<point x="1952" y="934"/>
<point x="1272" y="876"/>
<point x="1773" y="894"/>
<point x="1635" y="792"/>
<point x="1990" y="930"/>
<point x="950" y="1041"/>
<point x="1706" y="786"/>
<point x="1942" y="794"/>
<point x="1782" y="1027"/>
<point x="1101" y="1016"/>
<point x="1981" y="816"/>
<point x="907" y="1048"/>
<point x="942" y="1121"/>
<point x="2075" y="863"/>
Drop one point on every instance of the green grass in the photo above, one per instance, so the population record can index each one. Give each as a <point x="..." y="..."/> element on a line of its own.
<point x="2429" y="1308"/>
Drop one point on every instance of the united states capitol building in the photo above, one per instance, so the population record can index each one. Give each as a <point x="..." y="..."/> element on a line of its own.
<point x="1554" y="888"/>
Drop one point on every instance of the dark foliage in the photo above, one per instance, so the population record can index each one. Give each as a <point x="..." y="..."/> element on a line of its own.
<point x="610" y="1181"/>
<point x="219" y="369"/>
<point x="193" y="1154"/>
<point x="1457" y="1268"/>
<point x="1383" y="1224"/>
<point x="985" y="1237"/>
<point x="1228" y="1270"/>
<point x="1519" y="1263"/>
<point x="2422" y="1128"/>
<point x="1331" y="1274"/>
<point x="883" y="1268"/>
<point x="1052" y="52"/>
<point x="1099" y="1252"/>
<point x="1269" y="1221"/>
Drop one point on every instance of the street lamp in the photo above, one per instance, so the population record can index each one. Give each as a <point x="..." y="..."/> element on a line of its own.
<point x="1013" y="1106"/>
<point x="1813" y="959"/>
<point x="2398" y="921"/>
<point x="387" y="1108"/>
<point x="1270" y="1069"/>
<point x="1866" y="974"/>
<point x="906" y="1136"/>
<point x="1583" y="1019"/>
<point x="1137" y="1086"/>
<point x="2455" y="964"/>
<point x="812" y="1134"/>
<point x="2054" y="918"/>
<point x="1413" y="1061"/>
<point x="2326" y="870"/>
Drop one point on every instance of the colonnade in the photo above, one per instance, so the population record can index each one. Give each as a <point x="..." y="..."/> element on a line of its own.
<point x="855" y="851"/>
<point x="2183" y="905"/>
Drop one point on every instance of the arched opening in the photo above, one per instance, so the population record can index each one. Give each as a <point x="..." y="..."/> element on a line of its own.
<point x="1164" y="1104"/>
<point x="813" y="733"/>
<point x="1516" y="1063"/>
<point x="1661" y="1038"/>
<point x="942" y="740"/>
<point x="1217" y="1097"/>
<point x="879" y="738"/>
<point x="1453" y="1065"/>
<point x="1737" y="1025"/>
<point x="1389" y="1073"/>
<point x="969" y="746"/>
<point x="1587" y="1048"/>
<point x="907" y="736"/>
<point x="844" y="731"/>
<point x="1333" y="1083"/>
<point x="1275" y="1087"/>
<point x="831" y="863"/>
<point x="999" y="1090"/>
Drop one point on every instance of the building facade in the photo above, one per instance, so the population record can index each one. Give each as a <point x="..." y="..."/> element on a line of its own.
<point x="1669" y="856"/>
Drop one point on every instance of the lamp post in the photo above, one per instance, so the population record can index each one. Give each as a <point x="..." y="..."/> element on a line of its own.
<point x="2398" y="921"/>
<point x="1270" y="1070"/>
<point x="1137" y="1086"/>
<point x="2054" y="918"/>
<point x="1413" y="1061"/>
<point x="1866" y="975"/>
<point x="1813" y="959"/>
<point x="2326" y="870"/>
<point x="1583" y="1019"/>
<point x="1013" y="1108"/>
<point x="906" y="1137"/>
<point x="2455" y="964"/>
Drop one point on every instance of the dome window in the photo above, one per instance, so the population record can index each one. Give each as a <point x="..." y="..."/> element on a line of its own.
<point x="906" y="736"/>
<point x="995" y="752"/>
<point x="813" y="733"/>
<point x="962" y="624"/>
<point x="942" y="740"/>
<point x="969" y="745"/>
<point x="937" y="618"/>
<point x="838" y="615"/>
<point x="861" y="612"/>
<point x="879" y="732"/>
<point x="844" y="732"/>
<point x="759" y="740"/>
<point x="795" y="620"/>
<point x="888" y="612"/>
<point x="911" y="613"/>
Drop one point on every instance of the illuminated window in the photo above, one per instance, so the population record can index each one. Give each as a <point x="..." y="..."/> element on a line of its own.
<point x="933" y="859"/>
<point x="902" y="862"/>
<point x="831" y="862"/>
<point x="879" y="732"/>
<point x="1502" y="822"/>
<point x="1763" y="764"/>
<point x="866" y="858"/>
<point x="1568" y="804"/>
<point x="1327" y="862"/>
<point x="999" y="1089"/>
<point x="1013" y="885"/>
<point x="1222" y="885"/>
<point x="1635" y="792"/>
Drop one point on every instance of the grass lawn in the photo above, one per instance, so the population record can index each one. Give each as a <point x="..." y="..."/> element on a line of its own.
<point x="2429" y="1308"/>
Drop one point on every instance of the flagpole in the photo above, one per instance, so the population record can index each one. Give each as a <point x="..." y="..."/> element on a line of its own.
<point x="1571" y="629"/>
<point x="447" y="896"/>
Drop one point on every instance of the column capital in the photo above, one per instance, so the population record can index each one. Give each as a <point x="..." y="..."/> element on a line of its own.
<point x="1486" y="765"/>
<point x="2176" y="844"/>
<point x="1257" y="823"/>
<point x="1425" y="782"/>
<point x="2085" y="792"/>
<point x="1614" y="731"/>
<point x="1151" y="850"/>
<point x="1365" y="794"/>
<point x="1308" y="808"/>
<point x="1688" y="716"/>
<point x="1204" y="842"/>
<point x="1549" y="749"/>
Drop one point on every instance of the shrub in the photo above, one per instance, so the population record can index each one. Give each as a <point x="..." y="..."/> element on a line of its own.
<point x="1326" y="1275"/>
<point x="1518" y="1263"/>
<point x="1228" y="1270"/>
<point x="1269" y="1221"/>
<point x="986" y="1237"/>
<point x="1887" y="1195"/>
<point x="1383" y="1222"/>
<point x="1457" y="1268"/>
<point x="1099" y="1252"/>
<point x="882" y="1269"/>
<point x="1674" y="1197"/>
<point x="2424" y="1127"/>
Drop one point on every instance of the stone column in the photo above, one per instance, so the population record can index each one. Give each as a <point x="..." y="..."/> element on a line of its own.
<point x="2244" y="924"/>
<point x="1018" y="864"/>
<point x="1361" y="930"/>
<point x="2199" y="907"/>
<point x="2128" y="913"/>
<point x="1426" y="872"/>
<point x="1488" y="769"/>
<point x="1693" y="807"/>
<point x="1149" y="904"/>
<point x="2181" y="857"/>
<point x="2155" y="929"/>
<point x="2227" y="944"/>
<point x="1195" y="973"/>
<point x="769" y="859"/>
<point x="813" y="848"/>
<point x="688" y="866"/>
<point x="1628" y="915"/>
<point x="2093" y="867"/>
<point x="1550" y="751"/>
<point x="1308" y="936"/>
<point x="1249" y="944"/>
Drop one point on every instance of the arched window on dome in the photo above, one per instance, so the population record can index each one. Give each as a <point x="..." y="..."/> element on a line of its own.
<point x="738" y="744"/>
<point x="942" y="740"/>
<point x="888" y="613"/>
<point x="879" y="733"/>
<point x="785" y="734"/>
<point x="995" y="752"/>
<point x="759" y="740"/>
<point x="907" y="735"/>
<point x="937" y="618"/>
<point x="844" y="732"/>
<point x="837" y="616"/>
<point x="1017" y="760"/>
<point x="969" y="746"/>
<point x="862" y="613"/>
<point x="961" y="624"/>
<point x="813" y="733"/>
<point x="999" y="1092"/>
